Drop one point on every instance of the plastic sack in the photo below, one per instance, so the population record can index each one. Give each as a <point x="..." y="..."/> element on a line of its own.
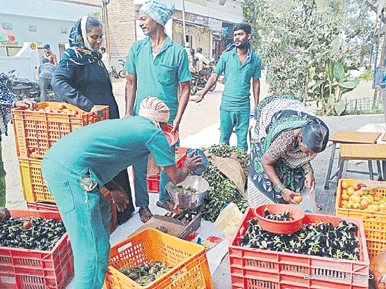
<point x="378" y="269"/>
<point x="228" y="220"/>
<point x="204" y="163"/>
<point x="308" y="203"/>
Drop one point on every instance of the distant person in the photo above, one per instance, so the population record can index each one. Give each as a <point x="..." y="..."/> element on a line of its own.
<point x="240" y="65"/>
<point x="7" y="101"/>
<point x="49" y="55"/>
<point x="82" y="80"/>
<point x="192" y="61"/>
<point x="45" y="74"/>
<point x="202" y="62"/>
<point x="106" y="59"/>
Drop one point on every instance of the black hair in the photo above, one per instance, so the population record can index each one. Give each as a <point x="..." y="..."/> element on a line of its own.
<point x="103" y="49"/>
<point x="315" y="137"/>
<point x="45" y="60"/>
<point x="46" y="46"/>
<point x="192" y="52"/>
<point x="199" y="49"/>
<point x="243" y="26"/>
<point x="92" y="22"/>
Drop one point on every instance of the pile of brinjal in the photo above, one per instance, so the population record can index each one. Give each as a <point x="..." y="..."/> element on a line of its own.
<point x="145" y="273"/>
<point x="277" y="217"/>
<point x="31" y="233"/>
<point x="319" y="239"/>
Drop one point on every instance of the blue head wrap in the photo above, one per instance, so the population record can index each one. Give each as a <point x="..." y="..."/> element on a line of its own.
<point x="159" y="12"/>
<point x="80" y="51"/>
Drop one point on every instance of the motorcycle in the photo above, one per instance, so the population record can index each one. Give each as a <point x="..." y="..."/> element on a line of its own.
<point x="21" y="88"/>
<point x="199" y="81"/>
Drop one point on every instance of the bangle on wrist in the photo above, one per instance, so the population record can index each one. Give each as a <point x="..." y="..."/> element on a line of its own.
<point x="189" y="170"/>
<point x="308" y="170"/>
<point x="278" y="188"/>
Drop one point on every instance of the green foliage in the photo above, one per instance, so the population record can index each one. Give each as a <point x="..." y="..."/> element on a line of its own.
<point x="299" y="41"/>
<point x="367" y="75"/>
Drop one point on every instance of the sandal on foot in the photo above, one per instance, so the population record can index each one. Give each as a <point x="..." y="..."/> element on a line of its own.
<point x="145" y="214"/>
<point x="168" y="205"/>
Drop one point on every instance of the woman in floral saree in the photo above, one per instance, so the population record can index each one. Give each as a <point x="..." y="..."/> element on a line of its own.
<point x="286" y="139"/>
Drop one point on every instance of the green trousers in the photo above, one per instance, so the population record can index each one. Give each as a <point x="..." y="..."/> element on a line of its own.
<point x="86" y="215"/>
<point x="140" y="182"/>
<point x="238" y="120"/>
<point x="3" y="195"/>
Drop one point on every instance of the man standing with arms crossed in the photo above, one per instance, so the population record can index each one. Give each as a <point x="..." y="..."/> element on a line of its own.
<point x="239" y="64"/>
<point x="156" y="67"/>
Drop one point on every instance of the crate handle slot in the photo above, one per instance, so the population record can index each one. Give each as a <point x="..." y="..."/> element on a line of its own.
<point x="124" y="247"/>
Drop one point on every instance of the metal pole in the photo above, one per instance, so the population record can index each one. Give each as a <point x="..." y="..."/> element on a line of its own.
<point x="107" y="35"/>
<point x="183" y="22"/>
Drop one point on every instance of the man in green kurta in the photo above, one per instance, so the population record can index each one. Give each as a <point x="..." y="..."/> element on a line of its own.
<point x="156" y="67"/>
<point x="239" y="64"/>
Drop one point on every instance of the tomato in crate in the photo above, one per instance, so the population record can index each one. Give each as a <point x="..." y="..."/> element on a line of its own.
<point x="37" y="130"/>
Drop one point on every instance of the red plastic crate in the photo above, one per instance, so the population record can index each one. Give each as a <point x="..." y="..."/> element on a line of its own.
<point x="54" y="208"/>
<point x="37" y="131"/>
<point x="35" y="269"/>
<point x="262" y="269"/>
<point x="153" y="180"/>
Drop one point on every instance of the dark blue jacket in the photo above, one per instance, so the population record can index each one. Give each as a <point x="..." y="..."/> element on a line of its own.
<point x="85" y="86"/>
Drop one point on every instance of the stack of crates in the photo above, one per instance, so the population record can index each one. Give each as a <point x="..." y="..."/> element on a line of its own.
<point x="35" y="132"/>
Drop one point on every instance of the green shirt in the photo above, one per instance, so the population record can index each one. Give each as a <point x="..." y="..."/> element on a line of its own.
<point x="159" y="76"/>
<point x="107" y="147"/>
<point x="237" y="79"/>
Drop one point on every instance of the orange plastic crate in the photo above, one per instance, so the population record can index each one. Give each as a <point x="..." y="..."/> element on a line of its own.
<point x="36" y="132"/>
<point x="373" y="222"/>
<point x="260" y="269"/>
<point x="22" y="268"/>
<point x="34" y="188"/>
<point x="52" y="207"/>
<point x="190" y="266"/>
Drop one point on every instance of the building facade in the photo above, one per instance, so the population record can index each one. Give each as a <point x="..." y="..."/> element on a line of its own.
<point x="208" y="23"/>
<point x="41" y="21"/>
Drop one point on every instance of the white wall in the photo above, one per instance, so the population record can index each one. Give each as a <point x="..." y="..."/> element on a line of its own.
<point x="51" y="9"/>
<point x="49" y="16"/>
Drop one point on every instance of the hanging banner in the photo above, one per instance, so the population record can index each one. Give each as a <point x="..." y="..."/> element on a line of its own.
<point x="215" y="25"/>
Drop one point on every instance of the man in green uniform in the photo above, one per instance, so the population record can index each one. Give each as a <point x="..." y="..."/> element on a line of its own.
<point x="98" y="153"/>
<point x="156" y="66"/>
<point x="239" y="64"/>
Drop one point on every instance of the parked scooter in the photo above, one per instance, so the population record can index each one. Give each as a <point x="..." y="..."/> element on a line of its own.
<point x="21" y="88"/>
<point x="199" y="81"/>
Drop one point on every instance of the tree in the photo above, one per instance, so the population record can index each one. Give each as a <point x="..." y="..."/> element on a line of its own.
<point x="296" y="41"/>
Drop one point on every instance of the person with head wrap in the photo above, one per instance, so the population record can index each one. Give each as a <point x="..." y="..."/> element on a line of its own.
<point x="287" y="137"/>
<point x="156" y="66"/>
<point x="74" y="178"/>
<point x="82" y="79"/>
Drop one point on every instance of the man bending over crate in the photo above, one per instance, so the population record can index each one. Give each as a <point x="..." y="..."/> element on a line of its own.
<point x="98" y="152"/>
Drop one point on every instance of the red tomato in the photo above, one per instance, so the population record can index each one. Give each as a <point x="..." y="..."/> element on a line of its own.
<point x="27" y="224"/>
<point x="297" y="199"/>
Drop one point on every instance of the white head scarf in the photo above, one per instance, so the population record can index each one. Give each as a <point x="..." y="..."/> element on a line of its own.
<point x="155" y="110"/>
<point x="84" y="32"/>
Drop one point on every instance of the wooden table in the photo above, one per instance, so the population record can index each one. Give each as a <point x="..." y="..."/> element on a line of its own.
<point x="367" y="152"/>
<point x="347" y="137"/>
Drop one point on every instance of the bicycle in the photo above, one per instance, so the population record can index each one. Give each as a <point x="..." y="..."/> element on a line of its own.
<point x="122" y="73"/>
<point x="114" y="72"/>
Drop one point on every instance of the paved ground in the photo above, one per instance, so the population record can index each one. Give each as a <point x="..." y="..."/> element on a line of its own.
<point x="198" y="117"/>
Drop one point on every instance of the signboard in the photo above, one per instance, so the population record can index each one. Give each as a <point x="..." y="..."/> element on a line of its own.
<point x="225" y="30"/>
<point x="215" y="25"/>
<point x="198" y="19"/>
